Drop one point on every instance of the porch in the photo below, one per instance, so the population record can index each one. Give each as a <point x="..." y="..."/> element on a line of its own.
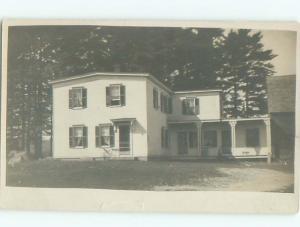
<point x="227" y="138"/>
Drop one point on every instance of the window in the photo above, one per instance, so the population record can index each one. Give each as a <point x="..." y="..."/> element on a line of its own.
<point x="78" y="136"/>
<point x="170" y="106"/>
<point x="115" y="95"/>
<point x="252" y="137"/>
<point x="155" y="98"/>
<point x="210" y="138"/>
<point x="105" y="136"/>
<point x="162" y="102"/>
<point x="167" y="138"/>
<point x="77" y="98"/>
<point x="190" y="106"/>
<point x="193" y="141"/>
<point x="164" y="137"/>
<point x="165" y="103"/>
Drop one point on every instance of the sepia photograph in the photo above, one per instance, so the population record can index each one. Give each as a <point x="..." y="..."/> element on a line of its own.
<point x="150" y="108"/>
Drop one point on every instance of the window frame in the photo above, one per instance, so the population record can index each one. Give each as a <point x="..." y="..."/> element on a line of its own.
<point x="165" y="103"/>
<point x="155" y="98"/>
<point x="98" y="135"/>
<point x="120" y="98"/>
<point x="84" y="137"/>
<point x="196" y="107"/>
<point x="83" y="94"/>
<point x="170" y="105"/>
<point x="162" y="102"/>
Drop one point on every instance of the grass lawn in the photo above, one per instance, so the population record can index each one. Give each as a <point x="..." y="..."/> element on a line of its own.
<point x="152" y="175"/>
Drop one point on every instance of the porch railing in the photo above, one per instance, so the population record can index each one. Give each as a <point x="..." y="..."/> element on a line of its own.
<point x="221" y="150"/>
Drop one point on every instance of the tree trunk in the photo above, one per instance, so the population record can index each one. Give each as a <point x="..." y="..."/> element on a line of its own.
<point x="27" y="141"/>
<point x="38" y="130"/>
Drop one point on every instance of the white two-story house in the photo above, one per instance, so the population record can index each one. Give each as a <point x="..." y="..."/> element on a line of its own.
<point x="135" y="116"/>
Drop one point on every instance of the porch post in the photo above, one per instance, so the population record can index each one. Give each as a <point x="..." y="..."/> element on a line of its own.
<point x="199" y="126"/>
<point x="268" y="137"/>
<point x="233" y="144"/>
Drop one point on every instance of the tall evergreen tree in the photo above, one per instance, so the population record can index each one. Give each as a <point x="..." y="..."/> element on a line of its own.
<point x="242" y="77"/>
<point x="184" y="58"/>
<point x="178" y="57"/>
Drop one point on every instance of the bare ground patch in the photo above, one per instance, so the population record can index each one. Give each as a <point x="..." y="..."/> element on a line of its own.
<point x="240" y="179"/>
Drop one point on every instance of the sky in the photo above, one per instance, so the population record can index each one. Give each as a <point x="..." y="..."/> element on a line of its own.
<point x="283" y="44"/>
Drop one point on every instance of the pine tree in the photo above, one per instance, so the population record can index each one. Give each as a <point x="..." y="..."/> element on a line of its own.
<point x="246" y="64"/>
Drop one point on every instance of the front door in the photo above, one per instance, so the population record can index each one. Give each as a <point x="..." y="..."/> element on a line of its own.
<point x="124" y="137"/>
<point x="182" y="143"/>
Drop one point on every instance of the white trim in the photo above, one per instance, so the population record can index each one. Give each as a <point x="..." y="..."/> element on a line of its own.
<point x="146" y="75"/>
<point x="217" y="120"/>
<point x="93" y="74"/>
<point x="198" y="91"/>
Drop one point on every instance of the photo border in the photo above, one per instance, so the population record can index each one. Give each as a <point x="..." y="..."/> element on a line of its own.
<point x="73" y="199"/>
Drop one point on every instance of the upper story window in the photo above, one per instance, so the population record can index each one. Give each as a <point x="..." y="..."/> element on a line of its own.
<point x="77" y="98"/>
<point x="78" y="136"/>
<point x="170" y="105"/>
<point x="105" y="136"/>
<point x="115" y="95"/>
<point x="190" y="106"/>
<point x="155" y="98"/>
<point x="165" y="104"/>
<point x="162" y="103"/>
<point x="252" y="137"/>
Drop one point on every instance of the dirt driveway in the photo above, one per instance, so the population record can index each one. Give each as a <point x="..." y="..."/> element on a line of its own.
<point x="246" y="178"/>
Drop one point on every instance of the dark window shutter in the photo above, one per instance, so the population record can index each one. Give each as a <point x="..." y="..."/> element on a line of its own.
<point x="167" y="138"/>
<point x="197" y="107"/>
<point x="161" y="102"/>
<point x="184" y="106"/>
<point x="97" y="128"/>
<point x="108" y="99"/>
<point x="70" y="99"/>
<point x="85" y="137"/>
<point x="71" y="137"/>
<point x="99" y="134"/>
<point x="155" y="98"/>
<point x="162" y="137"/>
<point x="170" y="105"/>
<point x="166" y="104"/>
<point x="112" y="136"/>
<point x="84" y="97"/>
<point x="122" y="93"/>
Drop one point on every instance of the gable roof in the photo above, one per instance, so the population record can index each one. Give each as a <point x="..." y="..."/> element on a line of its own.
<point x="281" y="93"/>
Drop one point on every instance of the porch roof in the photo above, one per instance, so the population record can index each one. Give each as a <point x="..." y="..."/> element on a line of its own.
<point x="183" y="121"/>
<point x="247" y="119"/>
<point x="121" y="120"/>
